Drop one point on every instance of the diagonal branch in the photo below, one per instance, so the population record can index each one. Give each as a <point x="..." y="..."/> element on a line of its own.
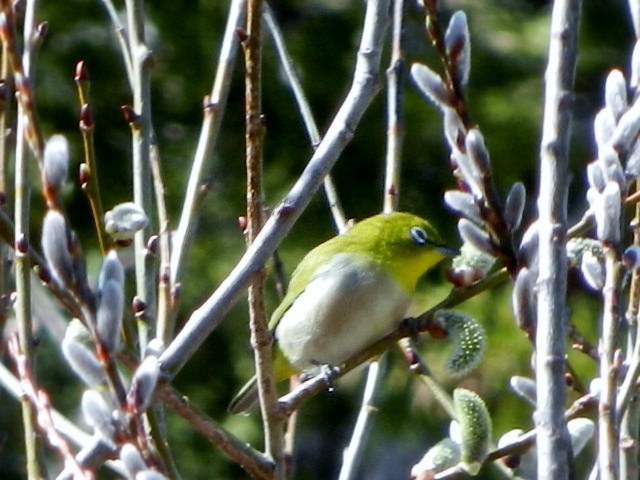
<point x="365" y="86"/>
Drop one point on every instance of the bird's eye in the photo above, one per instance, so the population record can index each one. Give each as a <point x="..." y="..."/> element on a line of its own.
<point x="419" y="236"/>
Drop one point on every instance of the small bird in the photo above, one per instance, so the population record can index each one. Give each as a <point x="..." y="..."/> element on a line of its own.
<point x="347" y="293"/>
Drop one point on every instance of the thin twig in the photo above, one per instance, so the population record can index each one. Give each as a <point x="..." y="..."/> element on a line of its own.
<point x="140" y="138"/>
<point x="631" y="314"/>
<point x="6" y="113"/>
<point x="62" y="424"/>
<point x="122" y="39"/>
<point x="256" y="464"/>
<point x="260" y="334"/>
<point x="6" y="87"/>
<point x="634" y="9"/>
<point x="352" y="455"/>
<point x="365" y="85"/>
<point x="89" y="170"/>
<point x="554" y="446"/>
<point x="290" y="433"/>
<point x="420" y="368"/>
<point x="305" y="112"/>
<point x="395" y="125"/>
<point x="629" y="385"/>
<point x="629" y="431"/>
<point x="158" y="433"/>
<point x="608" y="439"/>
<point x="214" y="108"/>
<point x="21" y="239"/>
<point x="41" y="404"/>
<point x="21" y="71"/>
<point x="165" y="321"/>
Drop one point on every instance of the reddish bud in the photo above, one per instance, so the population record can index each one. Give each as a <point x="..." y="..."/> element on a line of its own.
<point x="5" y="31"/>
<point x="41" y="32"/>
<point x="23" y="86"/>
<point x="82" y="74"/>
<point x="285" y="208"/>
<point x="431" y="5"/>
<point x="242" y="223"/>
<point x="86" y="118"/>
<point x="242" y="35"/>
<point x="129" y="114"/>
<point x="43" y="274"/>
<point x="569" y="380"/>
<point x="152" y="245"/>
<point x="176" y="291"/>
<point x="138" y="306"/>
<point x="437" y="331"/>
<point x="124" y="243"/>
<point x="84" y="175"/>
<point x="4" y="92"/>
<point x="165" y="277"/>
<point x="22" y="245"/>
<point x="410" y="358"/>
<point x="512" y="461"/>
<point x="462" y="277"/>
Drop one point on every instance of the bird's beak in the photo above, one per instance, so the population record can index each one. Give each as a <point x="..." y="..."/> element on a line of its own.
<point x="448" y="251"/>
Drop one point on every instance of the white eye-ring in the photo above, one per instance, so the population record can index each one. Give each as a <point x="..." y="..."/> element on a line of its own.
<point x="419" y="236"/>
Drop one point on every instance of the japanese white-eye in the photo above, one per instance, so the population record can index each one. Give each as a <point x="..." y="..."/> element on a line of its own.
<point x="347" y="293"/>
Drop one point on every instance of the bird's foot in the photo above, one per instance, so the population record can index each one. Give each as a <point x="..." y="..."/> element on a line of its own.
<point x="410" y="327"/>
<point x="328" y="372"/>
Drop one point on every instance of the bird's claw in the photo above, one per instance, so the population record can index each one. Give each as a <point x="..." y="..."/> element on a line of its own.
<point x="329" y="372"/>
<point x="410" y="326"/>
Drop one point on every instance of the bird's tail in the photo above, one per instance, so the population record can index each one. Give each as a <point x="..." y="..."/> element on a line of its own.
<point x="246" y="399"/>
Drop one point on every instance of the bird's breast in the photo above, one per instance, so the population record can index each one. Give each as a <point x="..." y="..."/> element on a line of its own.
<point x="348" y="305"/>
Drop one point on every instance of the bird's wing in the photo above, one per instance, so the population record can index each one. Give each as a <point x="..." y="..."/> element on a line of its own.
<point x="302" y="275"/>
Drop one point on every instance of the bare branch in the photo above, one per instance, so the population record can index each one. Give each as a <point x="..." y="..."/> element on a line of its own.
<point x="365" y="85"/>
<point x="554" y="447"/>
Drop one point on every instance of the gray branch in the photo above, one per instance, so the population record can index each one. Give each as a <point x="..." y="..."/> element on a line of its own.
<point x="365" y="86"/>
<point x="554" y="447"/>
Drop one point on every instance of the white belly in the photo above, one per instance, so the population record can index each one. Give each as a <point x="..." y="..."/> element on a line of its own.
<point x="341" y="312"/>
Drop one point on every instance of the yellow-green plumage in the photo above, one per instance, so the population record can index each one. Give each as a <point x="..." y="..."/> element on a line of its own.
<point x="349" y="292"/>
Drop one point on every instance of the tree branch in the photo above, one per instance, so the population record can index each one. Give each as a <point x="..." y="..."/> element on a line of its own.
<point x="554" y="447"/>
<point x="365" y="85"/>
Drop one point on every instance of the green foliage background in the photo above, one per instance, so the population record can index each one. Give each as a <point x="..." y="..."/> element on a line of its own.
<point x="509" y="41"/>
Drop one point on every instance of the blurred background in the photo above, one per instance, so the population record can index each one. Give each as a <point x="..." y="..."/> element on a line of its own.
<point x="509" y="43"/>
